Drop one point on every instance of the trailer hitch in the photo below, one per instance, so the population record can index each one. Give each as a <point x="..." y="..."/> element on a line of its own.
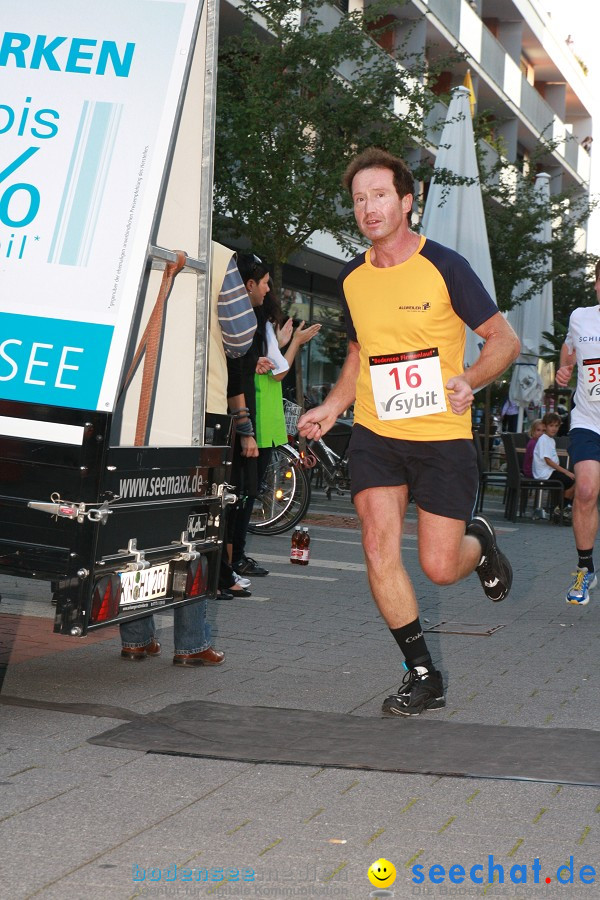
<point x="68" y="509"/>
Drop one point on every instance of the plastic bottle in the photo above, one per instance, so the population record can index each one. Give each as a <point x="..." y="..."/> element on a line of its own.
<point x="304" y="545"/>
<point x="295" y="550"/>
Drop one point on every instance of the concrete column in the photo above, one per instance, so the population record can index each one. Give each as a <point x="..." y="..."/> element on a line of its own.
<point x="556" y="179"/>
<point x="414" y="33"/>
<point x="555" y="96"/>
<point x="510" y="35"/>
<point x="508" y="131"/>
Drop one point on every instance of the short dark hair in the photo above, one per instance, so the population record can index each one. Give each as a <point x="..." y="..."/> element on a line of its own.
<point x="251" y="266"/>
<point x="552" y="418"/>
<point x="598" y="270"/>
<point x="377" y="158"/>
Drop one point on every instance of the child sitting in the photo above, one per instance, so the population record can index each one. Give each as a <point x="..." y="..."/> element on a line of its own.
<point x="536" y="430"/>
<point x="545" y="458"/>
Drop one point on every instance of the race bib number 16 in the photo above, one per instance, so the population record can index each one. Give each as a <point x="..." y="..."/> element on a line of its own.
<point x="406" y="385"/>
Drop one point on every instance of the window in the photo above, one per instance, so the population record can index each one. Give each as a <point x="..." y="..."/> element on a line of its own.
<point x="322" y="358"/>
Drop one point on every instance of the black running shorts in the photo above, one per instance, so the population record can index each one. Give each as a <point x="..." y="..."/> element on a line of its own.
<point x="584" y="444"/>
<point x="442" y="476"/>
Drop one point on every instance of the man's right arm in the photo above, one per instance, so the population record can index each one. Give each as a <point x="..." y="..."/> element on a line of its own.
<point x="568" y="358"/>
<point x="317" y="422"/>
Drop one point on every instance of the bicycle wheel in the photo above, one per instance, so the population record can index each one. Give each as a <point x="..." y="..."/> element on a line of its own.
<point x="284" y="497"/>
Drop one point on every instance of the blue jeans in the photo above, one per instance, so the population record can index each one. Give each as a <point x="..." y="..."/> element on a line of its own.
<point x="192" y="633"/>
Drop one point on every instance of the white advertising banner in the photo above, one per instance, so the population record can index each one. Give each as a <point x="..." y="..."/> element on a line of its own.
<point x="89" y="96"/>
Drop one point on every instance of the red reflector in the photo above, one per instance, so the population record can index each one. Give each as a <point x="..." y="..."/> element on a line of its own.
<point x="106" y="598"/>
<point x="197" y="577"/>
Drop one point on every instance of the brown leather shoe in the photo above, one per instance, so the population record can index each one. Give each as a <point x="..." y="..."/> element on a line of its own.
<point x="153" y="648"/>
<point x="208" y="657"/>
<point x="135" y="653"/>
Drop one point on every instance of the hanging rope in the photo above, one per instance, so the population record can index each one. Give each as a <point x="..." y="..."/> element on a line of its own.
<point x="148" y="347"/>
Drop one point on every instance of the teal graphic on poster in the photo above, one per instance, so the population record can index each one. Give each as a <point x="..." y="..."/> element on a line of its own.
<point x="52" y="361"/>
<point x="89" y="96"/>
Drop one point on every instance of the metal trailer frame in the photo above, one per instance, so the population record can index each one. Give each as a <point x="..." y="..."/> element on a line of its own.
<point x="122" y="531"/>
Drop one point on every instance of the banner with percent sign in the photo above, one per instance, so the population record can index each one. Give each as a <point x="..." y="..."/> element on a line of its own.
<point x="88" y="97"/>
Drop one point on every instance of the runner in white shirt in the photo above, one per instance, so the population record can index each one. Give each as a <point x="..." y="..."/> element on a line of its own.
<point x="582" y="348"/>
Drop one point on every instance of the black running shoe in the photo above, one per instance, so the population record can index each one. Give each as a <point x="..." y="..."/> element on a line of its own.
<point x="494" y="569"/>
<point x="421" y="689"/>
<point x="249" y="567"/>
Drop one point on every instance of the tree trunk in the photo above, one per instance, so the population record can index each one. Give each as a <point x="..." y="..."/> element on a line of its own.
<point x="277" y="278"/>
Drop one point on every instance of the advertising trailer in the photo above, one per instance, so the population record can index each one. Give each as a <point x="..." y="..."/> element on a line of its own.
<point x="113" y="480"/>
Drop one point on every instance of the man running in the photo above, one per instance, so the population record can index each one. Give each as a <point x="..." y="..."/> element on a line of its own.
<point x="406" y="302"/>
<point x="582" y="348"/>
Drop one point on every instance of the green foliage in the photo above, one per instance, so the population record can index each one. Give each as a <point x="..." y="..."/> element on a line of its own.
<point x="295" y="103"/>
<point x="550" y="349"/>
<point x="514" y="219"/>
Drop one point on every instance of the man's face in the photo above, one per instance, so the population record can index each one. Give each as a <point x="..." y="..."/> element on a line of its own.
<point x="379" y="211"/>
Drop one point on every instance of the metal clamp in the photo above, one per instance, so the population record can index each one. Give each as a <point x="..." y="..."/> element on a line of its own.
<point x="225" y="493"/>
<point x="140" y="557"/>
<point x="71" y="509"/>
<point x="190" y="551"/>
<point x="101" y="514"/>
<point x="60" y="509"/>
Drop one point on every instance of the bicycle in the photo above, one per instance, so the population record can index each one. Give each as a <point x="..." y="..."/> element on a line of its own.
<point x="284" y="495"/>
<point x="286" y="490"/>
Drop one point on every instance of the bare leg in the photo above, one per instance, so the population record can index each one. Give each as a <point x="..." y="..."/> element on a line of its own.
<point x="381" y="511"/>
<point x="446" y="553"/>
<point x="585" y="504"/>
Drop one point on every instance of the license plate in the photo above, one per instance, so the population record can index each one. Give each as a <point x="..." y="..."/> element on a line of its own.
<point x="147" y="584"/>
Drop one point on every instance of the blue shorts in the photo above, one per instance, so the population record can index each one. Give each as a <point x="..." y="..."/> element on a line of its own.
<point x="442" y="476"/>
<point x="583" y="444"/>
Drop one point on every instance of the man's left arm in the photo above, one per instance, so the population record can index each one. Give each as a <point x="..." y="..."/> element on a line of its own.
<point x="236" y="316"/>
<point x="501" y="348"/>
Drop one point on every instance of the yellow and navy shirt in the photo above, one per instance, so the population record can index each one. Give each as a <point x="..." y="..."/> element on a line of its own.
<point x="422" y="303"/>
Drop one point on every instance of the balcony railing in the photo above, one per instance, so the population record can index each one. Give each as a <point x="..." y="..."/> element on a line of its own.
<point x="494" y="62"/>
<point x="572" y="148"/>
<point x="493" y="56"/>
<point x="535" y="108"/>
<point x="448" y="12"/>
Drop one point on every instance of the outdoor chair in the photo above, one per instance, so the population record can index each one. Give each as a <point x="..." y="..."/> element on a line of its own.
<point x="519" y="486"/>
<point x="491" y="477"/>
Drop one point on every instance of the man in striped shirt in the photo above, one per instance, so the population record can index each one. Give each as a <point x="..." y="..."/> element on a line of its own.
<point x="232" y="324"/>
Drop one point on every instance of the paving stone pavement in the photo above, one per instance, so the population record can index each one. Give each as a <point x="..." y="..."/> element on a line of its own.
<point x="79" y="820"/>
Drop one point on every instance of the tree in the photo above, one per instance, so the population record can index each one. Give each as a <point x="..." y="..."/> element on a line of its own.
<point x="297" y="98"/>
<point x="514" y="216"/>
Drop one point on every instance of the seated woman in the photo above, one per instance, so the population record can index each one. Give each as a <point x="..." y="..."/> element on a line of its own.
<point x="536" y="430"/>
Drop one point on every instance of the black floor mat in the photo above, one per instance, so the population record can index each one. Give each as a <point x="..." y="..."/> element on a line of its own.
<point x="420" y="745"/>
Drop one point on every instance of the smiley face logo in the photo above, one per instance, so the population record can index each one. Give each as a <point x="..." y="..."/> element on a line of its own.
<point x="382" y="873"/>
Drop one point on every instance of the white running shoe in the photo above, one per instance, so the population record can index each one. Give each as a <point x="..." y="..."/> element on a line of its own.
<point x="579" y="592"/>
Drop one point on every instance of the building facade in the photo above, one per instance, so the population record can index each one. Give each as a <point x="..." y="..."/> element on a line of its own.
<point x="524" y="75"/>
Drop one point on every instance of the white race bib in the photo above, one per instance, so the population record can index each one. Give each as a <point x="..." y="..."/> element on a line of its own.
<point x="591" y="373"/>
<point x="406" y="385"/>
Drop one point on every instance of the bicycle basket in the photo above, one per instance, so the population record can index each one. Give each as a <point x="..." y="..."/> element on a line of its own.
<point x="292" y="413"/>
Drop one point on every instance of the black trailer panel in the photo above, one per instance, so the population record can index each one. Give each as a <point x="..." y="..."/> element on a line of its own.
<point x="118" y="531"/>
